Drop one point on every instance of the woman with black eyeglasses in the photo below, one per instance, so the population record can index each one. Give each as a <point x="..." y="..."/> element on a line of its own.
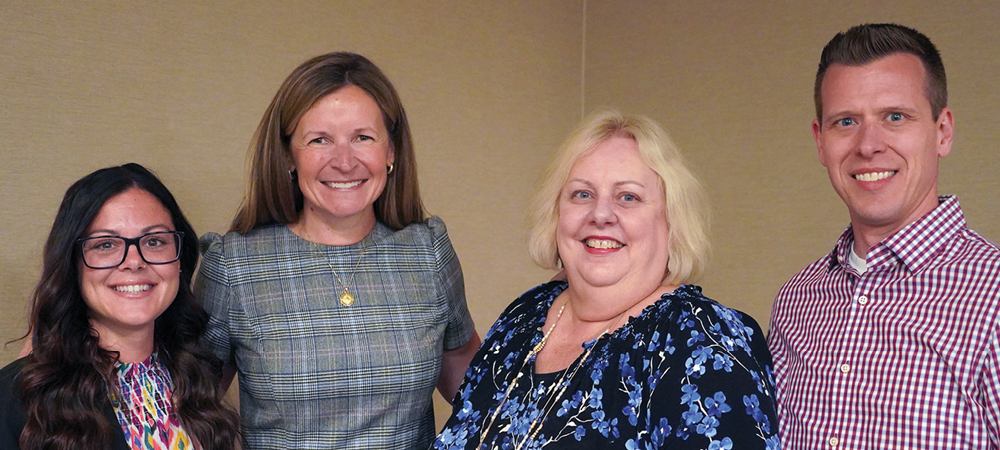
<point x="115" y="330"/>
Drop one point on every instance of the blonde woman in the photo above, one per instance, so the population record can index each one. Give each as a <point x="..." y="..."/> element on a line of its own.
<point x="626" y="353"/>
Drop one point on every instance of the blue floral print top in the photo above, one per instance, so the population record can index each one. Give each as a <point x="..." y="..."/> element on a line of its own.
<point x="687" y="373"/>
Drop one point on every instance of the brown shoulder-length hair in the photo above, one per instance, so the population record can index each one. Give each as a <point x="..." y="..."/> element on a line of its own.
<point x="273" y="196"/>
<point x="67" y="379"/>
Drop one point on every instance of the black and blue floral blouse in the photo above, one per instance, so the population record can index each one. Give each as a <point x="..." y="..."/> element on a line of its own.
<point x="687" y="373"/>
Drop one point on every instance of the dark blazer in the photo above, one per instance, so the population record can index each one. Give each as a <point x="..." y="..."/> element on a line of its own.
<point x="12" y="412"/>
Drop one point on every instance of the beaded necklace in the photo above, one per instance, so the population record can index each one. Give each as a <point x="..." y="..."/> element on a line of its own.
<point x="552" y="400"/>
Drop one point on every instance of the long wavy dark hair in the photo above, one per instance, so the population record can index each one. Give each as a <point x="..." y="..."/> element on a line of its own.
<point x="66" y="381"/>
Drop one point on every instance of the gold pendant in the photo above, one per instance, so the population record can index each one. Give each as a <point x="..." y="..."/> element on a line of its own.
<point x="346" y="298"/>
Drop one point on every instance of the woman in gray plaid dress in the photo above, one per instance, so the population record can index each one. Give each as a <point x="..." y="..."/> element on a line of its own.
<point x="337" y="301"/>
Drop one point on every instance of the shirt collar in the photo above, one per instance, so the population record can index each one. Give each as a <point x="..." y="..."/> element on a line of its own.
<point x="916" y="244"/>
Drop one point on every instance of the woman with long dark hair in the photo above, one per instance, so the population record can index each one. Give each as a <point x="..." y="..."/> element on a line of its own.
<point x="115" y="330"/>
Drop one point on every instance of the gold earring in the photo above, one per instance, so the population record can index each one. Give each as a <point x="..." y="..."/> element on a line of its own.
<point x="391" y="166"/>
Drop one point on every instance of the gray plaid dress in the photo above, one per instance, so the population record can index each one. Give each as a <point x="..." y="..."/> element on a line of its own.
<point x="314" y="373"/>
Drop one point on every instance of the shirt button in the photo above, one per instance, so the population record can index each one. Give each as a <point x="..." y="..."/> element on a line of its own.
<point x="834" y="441"/>
<point x="863" y="299"/>
<point x="844" y="368"/>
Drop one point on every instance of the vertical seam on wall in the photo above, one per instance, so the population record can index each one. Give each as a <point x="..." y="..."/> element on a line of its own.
<point x="583" y="63"/>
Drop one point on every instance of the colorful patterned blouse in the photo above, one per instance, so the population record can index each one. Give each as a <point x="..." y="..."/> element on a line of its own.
<point x="145" y="410"/>
<point x="687" y="373"/>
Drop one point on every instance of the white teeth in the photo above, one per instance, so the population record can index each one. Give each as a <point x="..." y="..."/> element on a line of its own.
<point x="349" y="185"/>
<point x="603" y="243"/>
<point x="133" y="288"/>
<point x="874" y="176"/>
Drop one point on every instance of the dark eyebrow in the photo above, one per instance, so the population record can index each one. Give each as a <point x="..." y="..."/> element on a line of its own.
<point x="109" y="232"/>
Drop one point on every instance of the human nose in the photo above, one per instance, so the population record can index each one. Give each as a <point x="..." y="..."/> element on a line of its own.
<point x="343" y="156"/>
<point x="133" y="259"/>
<point x="870" y="139"/>
<point x="603" y="213"/>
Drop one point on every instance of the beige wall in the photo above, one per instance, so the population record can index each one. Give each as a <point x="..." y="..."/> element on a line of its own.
<point x="491" y="89"/>
<point x="732" y="82"/>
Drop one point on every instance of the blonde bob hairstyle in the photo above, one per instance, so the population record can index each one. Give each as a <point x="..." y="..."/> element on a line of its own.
<point x="273" y="194"/>
<point x="686" y="207"/>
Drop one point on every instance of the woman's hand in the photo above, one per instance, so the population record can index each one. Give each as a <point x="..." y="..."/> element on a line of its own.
<point x="453" y="365"/>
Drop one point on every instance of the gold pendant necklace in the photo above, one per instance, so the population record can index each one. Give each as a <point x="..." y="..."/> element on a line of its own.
<point x="562" y="384"/>
<point x="346" y="298"/>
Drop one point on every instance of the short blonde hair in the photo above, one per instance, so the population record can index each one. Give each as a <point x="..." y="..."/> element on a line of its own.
<point x="686" y="206"/>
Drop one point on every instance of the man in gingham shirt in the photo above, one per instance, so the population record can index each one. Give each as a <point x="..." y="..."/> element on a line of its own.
<point x="891" y="340"/>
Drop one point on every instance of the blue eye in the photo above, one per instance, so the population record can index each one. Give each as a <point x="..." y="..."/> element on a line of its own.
<point x="845" y="122"/>
<point x="581" y="194"/>
<point x="630" y="197"/>
<point x="895" y="117"/>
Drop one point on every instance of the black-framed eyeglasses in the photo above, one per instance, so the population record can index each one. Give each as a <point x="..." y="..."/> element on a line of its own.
<point x="105" y="252"/>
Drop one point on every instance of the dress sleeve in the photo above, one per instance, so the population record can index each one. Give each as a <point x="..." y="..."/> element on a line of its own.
<point x="726" y="392"/>
<point x="212" y="289"/>
<point x="451" y="288"/>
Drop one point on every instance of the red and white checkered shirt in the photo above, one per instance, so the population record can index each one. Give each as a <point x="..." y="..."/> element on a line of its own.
<point x="902" y="356"/>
